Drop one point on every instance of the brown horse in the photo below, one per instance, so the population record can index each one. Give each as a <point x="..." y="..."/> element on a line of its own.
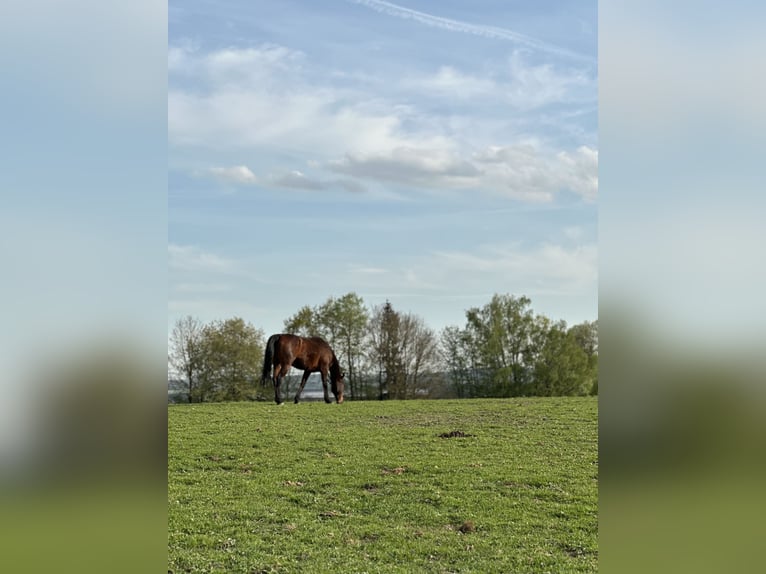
<point x="312" y="354"/>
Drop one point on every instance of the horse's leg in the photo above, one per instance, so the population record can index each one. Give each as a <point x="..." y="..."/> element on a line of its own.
<point x="324" y="386"/>
<point x="305" y="378"/>
<point x="278" y="374"/>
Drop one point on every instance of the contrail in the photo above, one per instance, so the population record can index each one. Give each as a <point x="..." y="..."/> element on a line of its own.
<point x="467" y="28"/>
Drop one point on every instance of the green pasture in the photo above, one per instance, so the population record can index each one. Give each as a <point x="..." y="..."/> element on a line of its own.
<point x="485" y="485"/>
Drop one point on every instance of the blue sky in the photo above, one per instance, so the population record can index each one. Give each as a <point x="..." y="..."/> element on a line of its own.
<point x="429" y="153"/>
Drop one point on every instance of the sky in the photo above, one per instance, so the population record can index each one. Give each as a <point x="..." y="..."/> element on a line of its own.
<point x="427" y="153"/>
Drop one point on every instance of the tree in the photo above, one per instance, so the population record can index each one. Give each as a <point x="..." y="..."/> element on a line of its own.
<point x="345" y="322"/>
<point x="420" y="353"/>
<point x="305" y="323"/>
<point x="586" y="336"/>
<point x="503" y="334"/>
<point x="506" y="350"/>
<point x="455" y="358"/>
<point x="384" y="342"/>
<point x="460" y="354"/>
<point x="404" y="352"/>
<point x="231" y="361"/>
<point x="561" y="365"/>
<point x="184" y="350"/>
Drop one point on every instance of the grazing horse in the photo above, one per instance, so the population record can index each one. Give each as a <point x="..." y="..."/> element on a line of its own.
<point x="312" y="354"/>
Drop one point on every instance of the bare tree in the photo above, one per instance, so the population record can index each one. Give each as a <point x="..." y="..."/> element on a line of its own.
<point x="404" y="351"/>
<point x="184" y="353"/>
<point x="420" y="353"/>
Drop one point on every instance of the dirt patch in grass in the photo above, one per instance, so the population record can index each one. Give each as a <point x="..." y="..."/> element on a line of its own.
<point x="575" y="551"/>
<point x="466" y="527"/>
<point x="455" y="434"/>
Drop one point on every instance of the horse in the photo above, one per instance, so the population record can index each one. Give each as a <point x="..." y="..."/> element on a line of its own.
<point x="312" y="354"/>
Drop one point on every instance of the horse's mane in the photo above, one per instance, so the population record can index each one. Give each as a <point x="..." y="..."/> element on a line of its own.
<point x="335" y="367"/>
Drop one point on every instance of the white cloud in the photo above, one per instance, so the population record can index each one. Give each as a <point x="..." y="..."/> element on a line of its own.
<point x="448" y="81"/>
<point x="260" y="97"/>
<point x="521" y="171"/>
<point x="234" y="117"/>
<point x="530" y="86"/>
<point x="430" y="167"/>
<point x="243" y="176"/>
<point x="297" y="180"/>
<point x="362" y="135"/>
<point x="522" y="85"/>
<point x="519" y="97"/>
<point x="580" y="171"/>
<point x="191" y="258"/>
<point x="528" y="172"/>
<point x="240" y="174"/>
<point x="233" y="65"/>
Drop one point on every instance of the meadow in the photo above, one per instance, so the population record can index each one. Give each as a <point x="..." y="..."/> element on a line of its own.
<point x="484" y="485"/>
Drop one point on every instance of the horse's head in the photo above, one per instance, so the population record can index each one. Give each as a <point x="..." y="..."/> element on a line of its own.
<point x="337" y="386"/>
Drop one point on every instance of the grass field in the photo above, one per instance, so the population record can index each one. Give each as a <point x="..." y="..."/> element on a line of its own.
<point x="489" y="485"/>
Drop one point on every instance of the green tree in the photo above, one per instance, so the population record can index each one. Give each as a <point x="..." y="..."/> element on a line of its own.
<point x="586" y="335"/>
<point x="461" y="354"/>
<point x="561" y="365"/>
<point x="231" y="359"/>
<point x="503" y="333"/>
<point x="344" y="321"/>
<point x="507" y="350"/>
<point x="305" y="322"/>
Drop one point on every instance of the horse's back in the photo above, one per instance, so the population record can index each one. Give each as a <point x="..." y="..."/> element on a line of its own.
<point x="319" y="342"/>
<point x="315" y="352"/>
<point x="305" y="348"/>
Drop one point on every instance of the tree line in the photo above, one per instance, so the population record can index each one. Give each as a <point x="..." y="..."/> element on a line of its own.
<point x="503" y="350"/>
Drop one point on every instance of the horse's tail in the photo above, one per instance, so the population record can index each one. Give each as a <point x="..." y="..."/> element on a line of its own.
<point x="268" y="357"/>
